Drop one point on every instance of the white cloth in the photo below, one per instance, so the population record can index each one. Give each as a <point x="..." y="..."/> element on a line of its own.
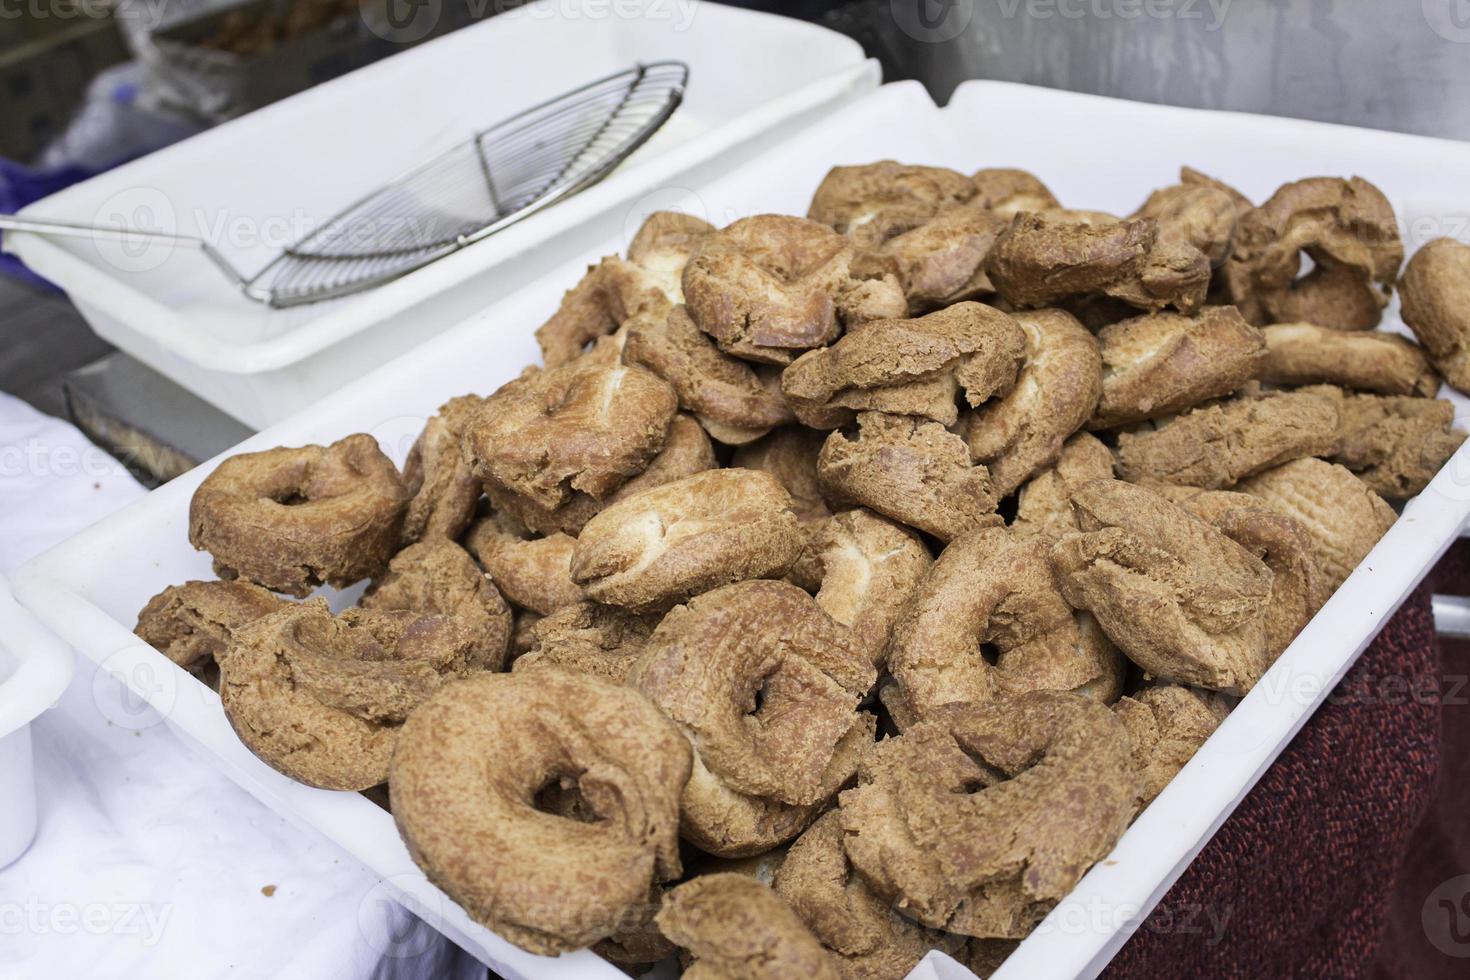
<point x="147" y="862"/>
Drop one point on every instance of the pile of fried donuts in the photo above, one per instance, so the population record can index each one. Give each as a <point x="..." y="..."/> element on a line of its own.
<point x="840" y="587"/>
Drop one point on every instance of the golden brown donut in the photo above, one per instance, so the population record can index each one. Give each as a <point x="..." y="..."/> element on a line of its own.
<point x="660" y="547"/>
<point x="468" y="786"/>
<point x="1383" y="363"/>
<point x="533" y="573"/>
<point x="766" y="686"/>
<point x="790" y="455"/>
<point x="992" y="590"/>
<point x="293" y="519"/>
<point x="1166" y="726"/>
<point x="192" y="623"/>
<point x="980" y="819"/>
<point x="322" y="698"/>
<point x="871" y="203"/>
<point x="1195" y="214"/>
<point x="438" y="578"/>
<point x="867" y="935"/>
<point x="942" y="261"/>
<point x="442" y="490"/>
<point x="1023" y="431"/>
<point x="1342" y="514"/>
<point x="1216" y="446"/>
<point x="735" y="928"/>
<point x="548" y="434"/>
<point x="1436" y="305"/>
<point x="908" y="367"/>
<point x="911" y="470"/>
<point x="1346" y="227"/>
<point x="615" y="292"/>
<point x="1044" y="505"/>
<point x="1178" y="597"/>
<point x="710" y="383"/>
<point x="1396" y="445"/>
<point x="1006" y="191"/>
<point x="770" y="286"/>
<point x="1163" y="363"/>
<point x="588" y="638"/>
<point x="871" y="569"/>
<point x="1043" y="259"/>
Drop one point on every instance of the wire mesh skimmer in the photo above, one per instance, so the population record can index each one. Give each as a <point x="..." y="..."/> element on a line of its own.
<point x="498" y="177"/>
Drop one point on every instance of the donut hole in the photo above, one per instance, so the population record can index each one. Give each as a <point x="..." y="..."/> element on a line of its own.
<point x="289" y="496"/>
<point x="990" y="653"/>
<point x="561" y="796"/>
<point x="988" y="773"/>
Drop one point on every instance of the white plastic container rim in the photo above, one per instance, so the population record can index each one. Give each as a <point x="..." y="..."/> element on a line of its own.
<point x="35" y="667"/>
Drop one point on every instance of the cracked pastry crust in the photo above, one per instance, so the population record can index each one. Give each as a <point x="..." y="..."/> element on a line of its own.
<point x="1195" y="214"/>
<point x="1163" y="363"/>
<point x="942" y="261"/>
<point x="790" y="455"/>
<point x="588" y="638"/>
<point x="1216" y="446"/>
<point x="1179" y="598"/>
<point x="548" y="434"/>
<point x="911" y="470"/>
<point x="291" y="519"/>
<point x="616" y="292"/>
<point x="321" y="698"/>
<point x="734" y="926"/>
<point x="993" y="589"/>
<point x="1044" y="505"/>
<point x="871" y="569"/>
<point x="1436" y="306"/>
<point x="1023" y="431"/>
<point x="1343" y="515"/>
<point x="871" y="203"/>
<point x="439" y="578"/>
<point x="766" y="686"/>
<point x="466" y="786"/>
<point x="870" y="939"/>
<point x="1006" y="191"/>
<point x="980" y="819"/>
<point x="192" y="623"/>
<point x="768" y="287"/>
<point x="442" y="490"/>
<point x="1394" y="444"/>
<point x="908" y="367"/>
<point x="662" y="546"/>
<point x="533" y="573"/>
<point x="1382" y="363"/>
<point x="1166" y="725"/>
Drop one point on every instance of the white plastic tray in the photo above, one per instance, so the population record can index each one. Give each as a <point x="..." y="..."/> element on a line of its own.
<point x="253" y="185"/>
<point x="35" y="668"/>
<point x="1095" y="153"/>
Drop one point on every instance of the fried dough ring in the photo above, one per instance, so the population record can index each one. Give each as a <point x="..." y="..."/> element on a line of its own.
<point x="981" y="818"/>
<point x="867" y="935"/>
<point x="790" y="455"/>
<point x="1195" y="214"/>
<point x="1436" y="306"/>
<point x="192" y="623"/>
<point x="942" y="261"/>
<point x="710" y="383"/>
<point x="1216" y="446"/>
<point x="908" y="367"/>
<point x="1007" y="191"/>
<point x="994" y="588"/>
<point x="1395" y="445"/>
<point x="439" y="578"/>
<point x="871" y="570"/>
<point x="871" y="203"/>
<point x="548" y="434"/>
<point x="534" y="573"/>
<point x="1044" y="505"/>
<point x="734" y="926"/>
<point x="766" y="686"/>
<point x="1166" y="726"/>
<point x="442" y="490"/>
<point x="1163" y="363"/>
<point x="588" y="638"/>
<point x="292" y="519"/>
<point x="1382" y="363"/>
<point x="1178" y="597"/>
<point x="664" y="545"/>
<point x="770" y="286"/>
<point x="1057" y="390"/>
<point x="321" y="698"/>
<point x="911" y="470"/>
<point x="465" y="785"/>
<point x="1343" y="515"/>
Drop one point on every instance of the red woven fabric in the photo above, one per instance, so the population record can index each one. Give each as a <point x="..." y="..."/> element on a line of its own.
<point x="1298" y="881"/>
